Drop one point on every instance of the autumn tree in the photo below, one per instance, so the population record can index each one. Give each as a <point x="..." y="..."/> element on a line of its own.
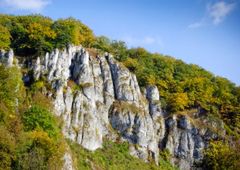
<point x="4" y="38"/>
<point x="72" y="31"/>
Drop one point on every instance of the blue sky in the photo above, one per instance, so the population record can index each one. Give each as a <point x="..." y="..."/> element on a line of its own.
<point x="203" y="32"/>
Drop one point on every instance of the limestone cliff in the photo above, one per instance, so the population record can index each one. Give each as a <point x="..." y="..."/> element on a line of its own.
<point x="105" y="101"/>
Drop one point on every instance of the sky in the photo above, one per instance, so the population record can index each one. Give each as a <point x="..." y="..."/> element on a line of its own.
<point x="202" y="32"/>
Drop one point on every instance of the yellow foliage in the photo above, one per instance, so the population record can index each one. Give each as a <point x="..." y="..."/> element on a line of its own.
<point x="178" y="101"/>
<point x="4" y="38"/>
<point x="38" y="31"/>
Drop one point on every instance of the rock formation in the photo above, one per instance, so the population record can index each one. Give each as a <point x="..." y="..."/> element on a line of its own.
<point x="97" y="97"/>
<point x="6" y="57"/>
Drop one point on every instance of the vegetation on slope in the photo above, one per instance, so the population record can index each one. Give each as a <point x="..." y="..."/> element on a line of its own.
<point x="113" y="156"/>
<point x="221" y="155"/>
<point x="182" y="86"/>
<point x="29" y="134"/>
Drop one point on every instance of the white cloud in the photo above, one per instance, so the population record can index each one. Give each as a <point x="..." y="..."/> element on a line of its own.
<point x="215" y="12"/>
<point x="32" y="5"/>
<point x="219" y="11"/>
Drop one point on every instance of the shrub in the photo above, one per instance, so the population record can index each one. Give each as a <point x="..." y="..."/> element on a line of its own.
<point x="220" y="155"/>
<point x="4" y="38"/>
<point x="40" y="118"/>
<point x="7" y="148"/>
<point x="12" y="91"/>
<point x="39" y="151"/>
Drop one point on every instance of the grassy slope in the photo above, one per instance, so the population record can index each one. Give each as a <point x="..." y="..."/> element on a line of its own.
<point x="113" y="156"/>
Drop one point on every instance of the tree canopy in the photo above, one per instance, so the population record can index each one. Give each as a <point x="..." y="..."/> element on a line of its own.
<point x="36" y="34"/>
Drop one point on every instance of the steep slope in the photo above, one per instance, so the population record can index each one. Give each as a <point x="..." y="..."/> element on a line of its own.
<point x="98" y="98"/>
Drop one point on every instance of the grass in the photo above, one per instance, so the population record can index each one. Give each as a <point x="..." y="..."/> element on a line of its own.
<point x="123" y="107"/>
<point x="113" y="156"/>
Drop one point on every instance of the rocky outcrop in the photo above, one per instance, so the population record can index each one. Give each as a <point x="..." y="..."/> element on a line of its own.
<point x="97" y="97"/>
<point x="6" y="57"/>
<point x="67" y="162"/>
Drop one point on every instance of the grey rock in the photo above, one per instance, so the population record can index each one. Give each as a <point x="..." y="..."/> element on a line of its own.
<point x="68" y="162"/>
<point x="184" y="123"/>
<point x="6" y="57"/>
<point x="97" y="97"/>
<point x="37" y="69"/>
<point x="152" y="93"/>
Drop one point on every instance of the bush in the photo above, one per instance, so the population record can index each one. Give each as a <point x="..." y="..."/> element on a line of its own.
<point x="39" y="151"/>
<point x="4" y="38"/>
<point x="178" y="102"/>
<point x="7" y="149"/>
<point x="39" y="118"/>
<point x="220" y="155"/>
<point x="12" y="91"/>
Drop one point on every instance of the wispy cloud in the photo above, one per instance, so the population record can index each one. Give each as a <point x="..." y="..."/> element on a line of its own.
<point x="215" y="12"/>
<point x="31" y="5"/>
<point x="196" y="24"/>
<point x="219" y="11"/>
<point x="147" y="40"/>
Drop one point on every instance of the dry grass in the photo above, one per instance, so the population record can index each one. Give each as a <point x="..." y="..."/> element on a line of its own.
<point x="92" y="52"/>
<point x="123" y="107"/>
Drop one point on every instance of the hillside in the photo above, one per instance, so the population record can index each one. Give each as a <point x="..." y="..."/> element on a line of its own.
<point x="57" y="100"/>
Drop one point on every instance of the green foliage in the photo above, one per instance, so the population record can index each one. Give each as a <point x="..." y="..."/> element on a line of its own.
<point x="31" y="34"/>
<point x="72" y="31"/>
<point x="181" y="86"/>
<point x="40" y="118"/>
<point x="36" y="34"/>
<point x="117" y="48"/>
<point x="102" y="43"/>
<point x="178" y="102"/>
<point x="112" y="156"/>
<point x="41" y="146"/>
<point x="7" y="148"/>
<point x="4" y="38"/>
<point x="12" y="91"/>
<point x="164" y="160"/>
<point x="221" y="155"/>
<point x="132" y="64"/>
<point x="38" y="151"/>
<point x="40" y="36"/>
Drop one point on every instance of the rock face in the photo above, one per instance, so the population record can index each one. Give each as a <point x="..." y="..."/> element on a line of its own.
<point x="6" y="57"/>
<point x="68" y="162"/>
<point x="99" y="98"/>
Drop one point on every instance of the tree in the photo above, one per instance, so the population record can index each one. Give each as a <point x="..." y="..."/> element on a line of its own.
<point x="119" y="50"/>
<point x="131" y="64"/>
<point x="4" y="38"/>
<point x="39" y="151"/>
<point x="102" y="43"/>
<point x="221" y="155"/>
<point x="40" y="36"/>
<point x="12" y="90"/>
<point x="72" y="31"/>
<point x="178" y="102"/>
